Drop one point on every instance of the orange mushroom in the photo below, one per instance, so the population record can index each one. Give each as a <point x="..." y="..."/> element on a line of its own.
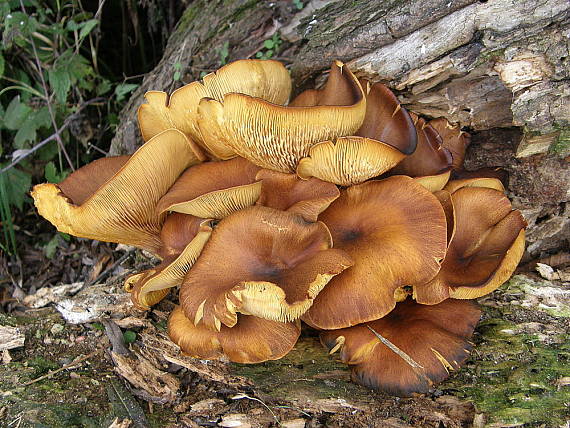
<point x="251" y="340"/>
<point x="431" y="163"/>
<point x="265" y="79"/>
<point x="453" y="139"/>
<point x="277" y="137"/>
<point x="286" y="192"/>
<point x="183" y="238"/>
<point x="484" y="251"/>
<point x="385" y="137"/>
<point x="114" y="199"/>
<point x="262" y="262"/>
<point x="213" y="189"/>
<point x="395" y="230"/>
<point x="408" y="350"/>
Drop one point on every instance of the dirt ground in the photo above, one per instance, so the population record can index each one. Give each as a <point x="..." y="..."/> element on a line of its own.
<point x="90" y="360"/>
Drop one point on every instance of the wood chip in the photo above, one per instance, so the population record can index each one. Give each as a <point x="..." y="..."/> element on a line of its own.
<point x="11" y="338"/>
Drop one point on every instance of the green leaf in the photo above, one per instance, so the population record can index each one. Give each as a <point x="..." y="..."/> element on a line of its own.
<point x="259" y="54"/>
<point x="122" y="89"/>
<point x="129" y="336"/>
<point x="268" y="44"/>
<point x="16" y="114"/>
<point x="51" y="247"/>
<point x="87" y="27"/>
<point x="50" y="173"/>
<point x="17" y="185"/>
<point x="103" y="87"/>
<point x="60" y="82"/>
<point x="2" y="65"/>
<point x="177" y="76"/>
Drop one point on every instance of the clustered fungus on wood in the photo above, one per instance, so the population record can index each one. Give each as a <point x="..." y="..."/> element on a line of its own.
<point x="336" y="209"/>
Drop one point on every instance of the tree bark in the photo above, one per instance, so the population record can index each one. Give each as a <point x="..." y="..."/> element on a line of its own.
<point x="501" y="68"/>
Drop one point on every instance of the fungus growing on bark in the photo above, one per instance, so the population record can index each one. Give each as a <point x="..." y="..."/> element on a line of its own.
<point x="289" y="244"/>
<point x="149" y="287"/>
<point x="213" y="189"/>
<point x="485" y="249"/>
<point x="286" y="192"/>
<point x="277" y="137"/>
<point x="267" y="80"/>
<point x="251" y="340"/>
<point x="395" y="230"/>
<point x="273" y="266"/>
<point x="408" y="350"/>
<point x="431" y="162"/>
<point x="115" y="199"/>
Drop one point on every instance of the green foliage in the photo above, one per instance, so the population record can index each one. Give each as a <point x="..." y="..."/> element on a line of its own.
<point x="49" y="72"/>
<point x="270" y="47"/>
<point x="224" y="53"/>
<point x="298" y="4"/>
<point x="129" y="336"/>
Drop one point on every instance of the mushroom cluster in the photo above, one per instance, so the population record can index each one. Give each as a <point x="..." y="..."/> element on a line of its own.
<point x="335" y="209"/>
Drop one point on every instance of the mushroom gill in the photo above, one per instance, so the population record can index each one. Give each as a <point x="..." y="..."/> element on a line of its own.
<point x="395" y="230"/>
<point x="262" y="262"/>
<point x="277" y="137"/>
<point x="408" y="350"/>
<point x="484" y="251"/>
<point x="213" y="189"/>
<point x="149" y="287"/>
<point x="265" y="79"/>
<point x="251" y="340"/>
<point x="114" y="199"/>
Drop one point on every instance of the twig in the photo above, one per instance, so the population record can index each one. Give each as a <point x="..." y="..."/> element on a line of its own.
<point x="395" y="349"/>
<point x="110" y="269"/>
<point x="73" y="363"/>
<point x="242" y="396"/>
<point x="53" y="136"/>
<point x="44" y="85"/>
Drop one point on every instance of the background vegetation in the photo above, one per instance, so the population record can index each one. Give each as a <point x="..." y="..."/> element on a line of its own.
<point x="66" y="69"/>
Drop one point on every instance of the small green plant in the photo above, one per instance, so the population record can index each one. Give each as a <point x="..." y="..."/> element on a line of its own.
<point x="224" y="53"/>
<point x="270" y="46"/>
<point x="298" y="4"/>
<point x="177" y="71"/>
<point x="49" y="75"/>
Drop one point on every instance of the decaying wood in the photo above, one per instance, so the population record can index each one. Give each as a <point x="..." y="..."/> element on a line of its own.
<point x="11" y="338"/>
<point x="492" y="65"/>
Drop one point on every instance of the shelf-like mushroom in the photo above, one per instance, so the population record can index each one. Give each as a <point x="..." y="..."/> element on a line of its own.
<point x="287" y="192"/>
<point x="251" y="340"/>
<point x="262" y="262"/>
<point x="484" y="251"/>
<point x="268" y="80"/>
<point x="408" y="350"/>
<point x="213" y="189"/>
<point x="114" y="199"/>
<point x="395" y="230"/>
<point x="277" y="137"/>
<point x="183" y="239"/>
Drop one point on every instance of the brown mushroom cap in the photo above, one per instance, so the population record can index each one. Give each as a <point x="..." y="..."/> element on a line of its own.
<point x="286" y="192"/>
<point x="177" y="231"/>
<point x="251" y="340"/>
<point x="453" y="139"/>
<point x="434" y="183"/>
<point x="386" y="120"/>
<point x="490" y="183"/>
<point x="395" y="230"/>
<point x="486" y="248"/>
<point x="213" y="189"/>
<point x="149" y="287"/>
<point x="261" y="262"/>
<point x="119" y="204"/>
<point x="435" y="338"/>
<point x="277" y="137"/>
<point x="265" y="79"/>
<point x="349" y="160"/>
<point x="430" y="157"/>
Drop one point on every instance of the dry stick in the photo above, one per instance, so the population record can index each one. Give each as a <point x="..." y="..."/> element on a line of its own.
<point x="51" y="137"/>
<point x="50" y="374"/>
<point x="418" y="369"/>
<point x="44" y="85"/>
